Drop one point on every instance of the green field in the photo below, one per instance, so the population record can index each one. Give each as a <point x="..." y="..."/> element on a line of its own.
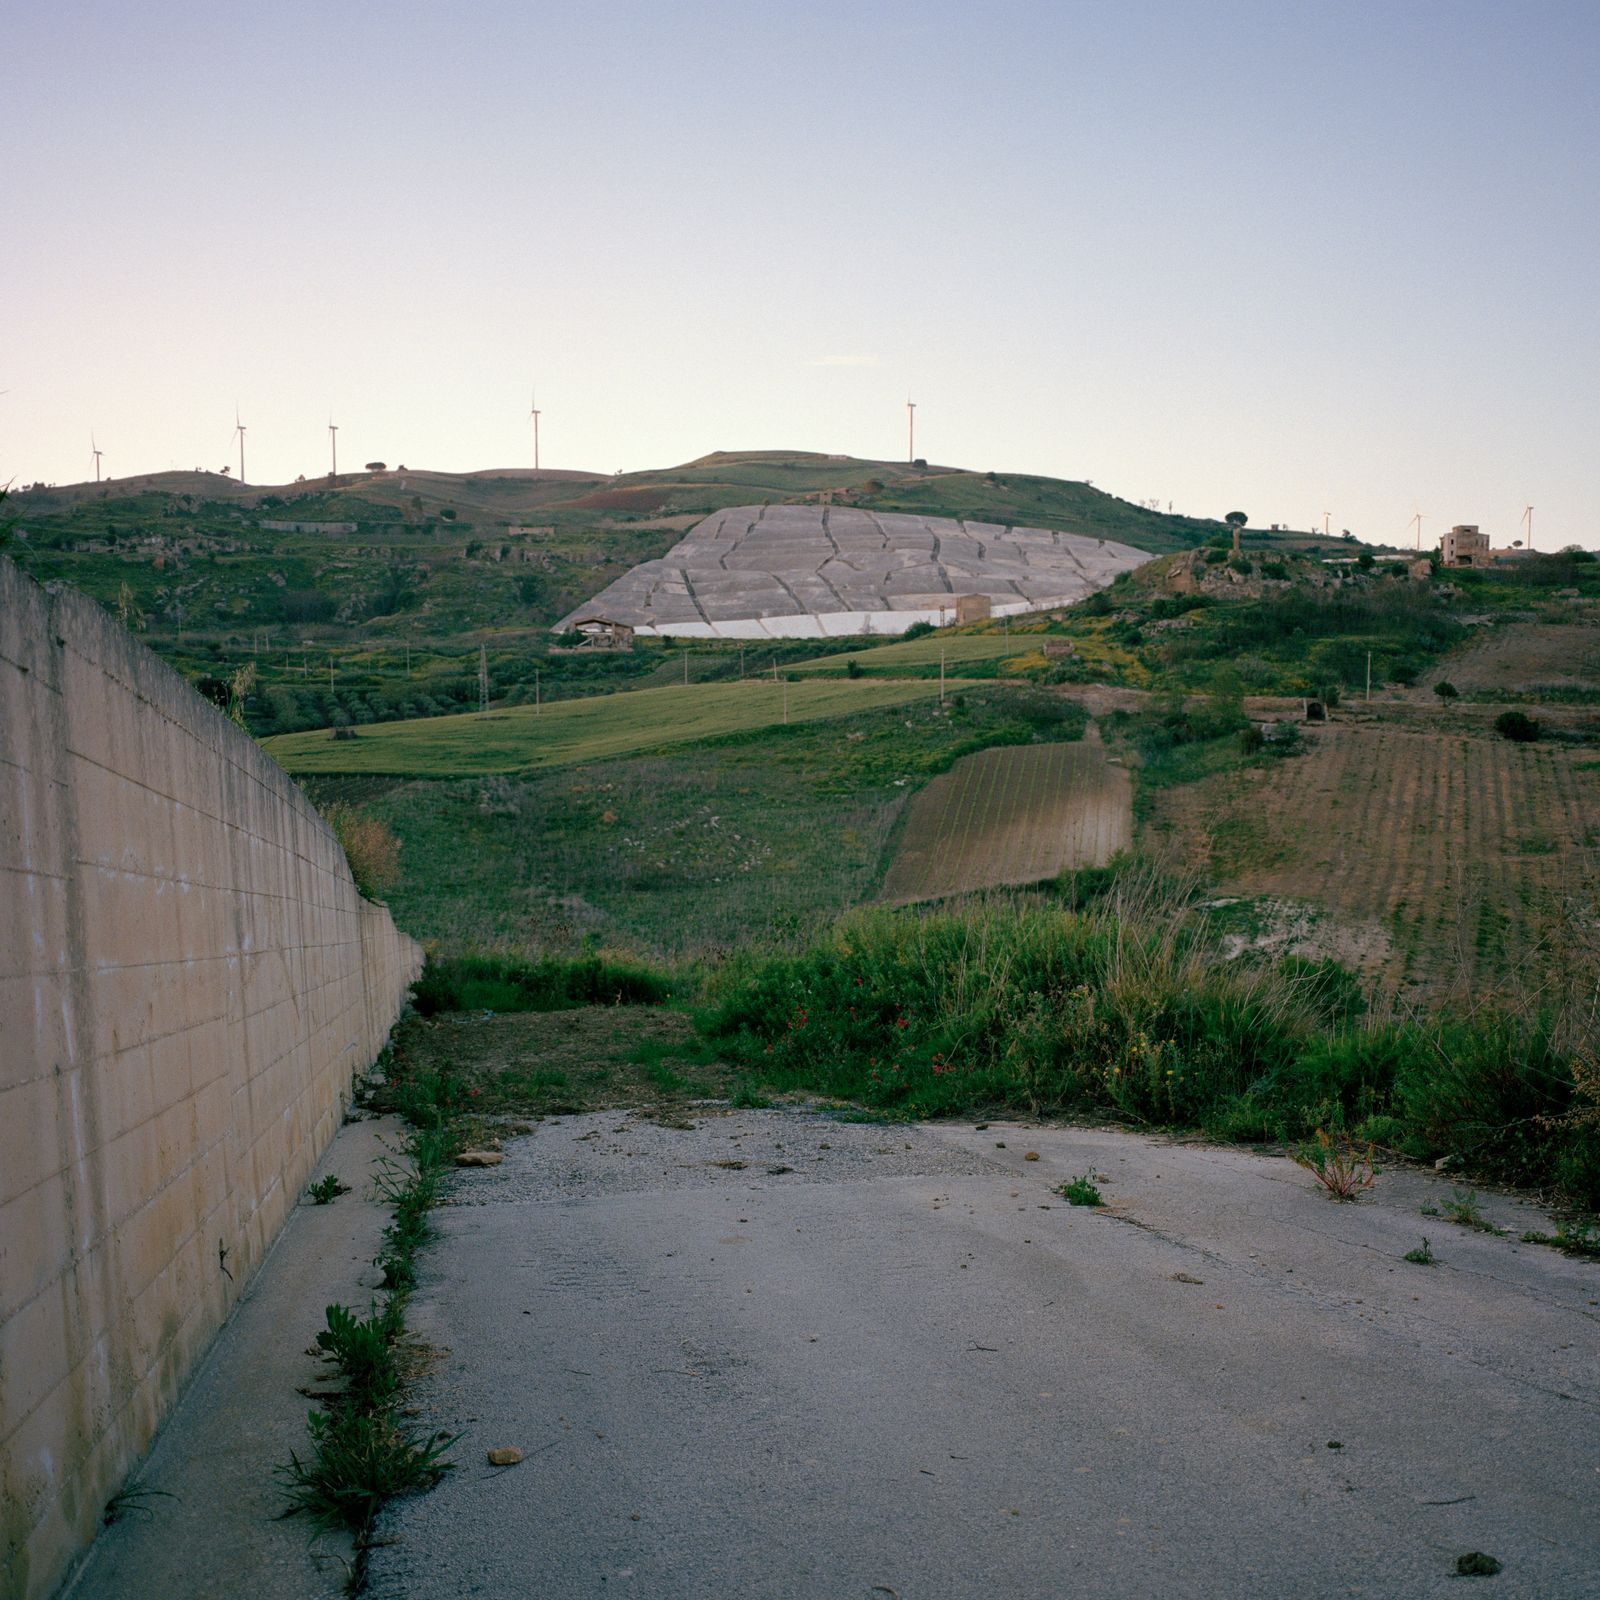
<point x="685" y="851"/>
<point x="915" y="657"/>
<point x="523" y="738"/>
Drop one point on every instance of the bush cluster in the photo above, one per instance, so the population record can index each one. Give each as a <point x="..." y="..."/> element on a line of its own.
<point x="1123" y="1007"/>
<point x="549" y="983"/>
<point x="370" y="847"/>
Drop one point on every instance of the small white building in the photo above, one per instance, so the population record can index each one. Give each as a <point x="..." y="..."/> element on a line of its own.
<point x="600" y="633"/>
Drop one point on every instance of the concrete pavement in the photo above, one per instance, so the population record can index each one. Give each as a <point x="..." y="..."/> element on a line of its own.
<point x="784" y="1356"/>
<point x="208" y="1525"/>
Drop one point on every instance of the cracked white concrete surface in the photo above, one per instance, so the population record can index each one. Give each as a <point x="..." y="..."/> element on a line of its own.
<point x="786" y="571"/>
<point x="783" y="1356"/>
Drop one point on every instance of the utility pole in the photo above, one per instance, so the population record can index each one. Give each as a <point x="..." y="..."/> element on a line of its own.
<point x="686" y="666"/>
<point x="786" y="702"/>
<point x="483" y="677"/>
<point x="1369" y="677"/>
<point x="941" y="674"/>
<point x="911" y="429"/>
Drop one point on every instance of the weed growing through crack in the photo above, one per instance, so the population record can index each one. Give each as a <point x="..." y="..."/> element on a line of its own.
<point x="1463" y="1209"/>
<point x="1422" y="1256"/>
<point x="1576" y="1238"/>
<point x="358" y="1460"/>
<point x="1081" y="1192"/>
<point x="362" y="1454"/>
<point x="1343" y="1169"/>
<point x="363" y="1350"/>
<point x="130" y="1501"/>
<point x="326" y="1190"/>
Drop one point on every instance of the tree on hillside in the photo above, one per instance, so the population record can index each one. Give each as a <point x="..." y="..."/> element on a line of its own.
<point x="1236" y="519"/>
<point x="1445" y="690"/>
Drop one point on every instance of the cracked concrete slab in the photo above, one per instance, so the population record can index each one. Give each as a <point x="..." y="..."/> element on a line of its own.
<point x="778" y="1355"/>
<point x="751" y="572"/>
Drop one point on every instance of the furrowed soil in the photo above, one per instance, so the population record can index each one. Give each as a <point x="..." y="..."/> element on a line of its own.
<point x="1522" y="659"/>
<point x="1471" y="852"/>
<point x="1012" y="816"/>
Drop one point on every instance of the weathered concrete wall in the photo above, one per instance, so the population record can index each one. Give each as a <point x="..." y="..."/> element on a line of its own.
<point x="188" y="983"/>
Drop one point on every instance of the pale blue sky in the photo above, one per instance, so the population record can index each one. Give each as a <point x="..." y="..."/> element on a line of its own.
<point x="1289" y="257"/>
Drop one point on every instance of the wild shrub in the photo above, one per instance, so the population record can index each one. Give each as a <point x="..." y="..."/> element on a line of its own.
<point x="370" y="847"/>
<point x="1114" y="1000"/>
<point x="1485" y="1086"/>
<point x="1034" y="1005"/>
<point x="1517" y="726"/>
<point x="1342" y="1168"/>
<point x="548" y="983"/>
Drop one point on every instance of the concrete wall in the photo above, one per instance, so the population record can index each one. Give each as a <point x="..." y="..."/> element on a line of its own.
<point x="188" y="983"/>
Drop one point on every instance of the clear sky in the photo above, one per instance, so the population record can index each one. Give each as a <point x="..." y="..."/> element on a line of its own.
<point x="1282" y="256"/>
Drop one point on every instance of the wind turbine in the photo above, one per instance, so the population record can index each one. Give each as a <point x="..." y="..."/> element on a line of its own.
<point x="333" y="441"/>
<point x="911" y="429"/>
<point x="1527" y="517"/>
<point x="238" y="428"/>
<point x="1416" y="518"/>
<point x="96" y="452"/>
<point x="534" y="413"/>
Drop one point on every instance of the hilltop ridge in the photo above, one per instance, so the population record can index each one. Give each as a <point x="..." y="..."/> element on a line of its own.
<point x="712" y="482"/>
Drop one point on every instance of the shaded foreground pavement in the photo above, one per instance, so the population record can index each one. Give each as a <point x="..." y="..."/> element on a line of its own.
<point x="782" y="1356"/>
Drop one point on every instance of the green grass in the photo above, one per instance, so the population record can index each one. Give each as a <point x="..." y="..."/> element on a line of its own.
<point x="521" y="738"/>
<point x="758" y="837"/>
<point x="511" y="983"/>
<point x="362" y="1453"/>
<point x="1128" y="1009"/>
<point x="1082" y="1191"/>
<point x="917" y="657"/>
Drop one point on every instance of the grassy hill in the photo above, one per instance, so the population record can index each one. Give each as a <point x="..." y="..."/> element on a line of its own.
<point x="525" y="737"/>
<point x="375" y="602"/>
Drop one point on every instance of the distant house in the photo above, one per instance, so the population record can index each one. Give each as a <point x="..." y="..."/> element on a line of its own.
<point x="1465" y="545"/>
<point x="600" y="633"/>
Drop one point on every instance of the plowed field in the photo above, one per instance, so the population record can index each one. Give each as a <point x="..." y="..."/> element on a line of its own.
<point x="1012" y="816"/>
<point x="1467" y="849"/>
<point x="1526" y="657"/>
